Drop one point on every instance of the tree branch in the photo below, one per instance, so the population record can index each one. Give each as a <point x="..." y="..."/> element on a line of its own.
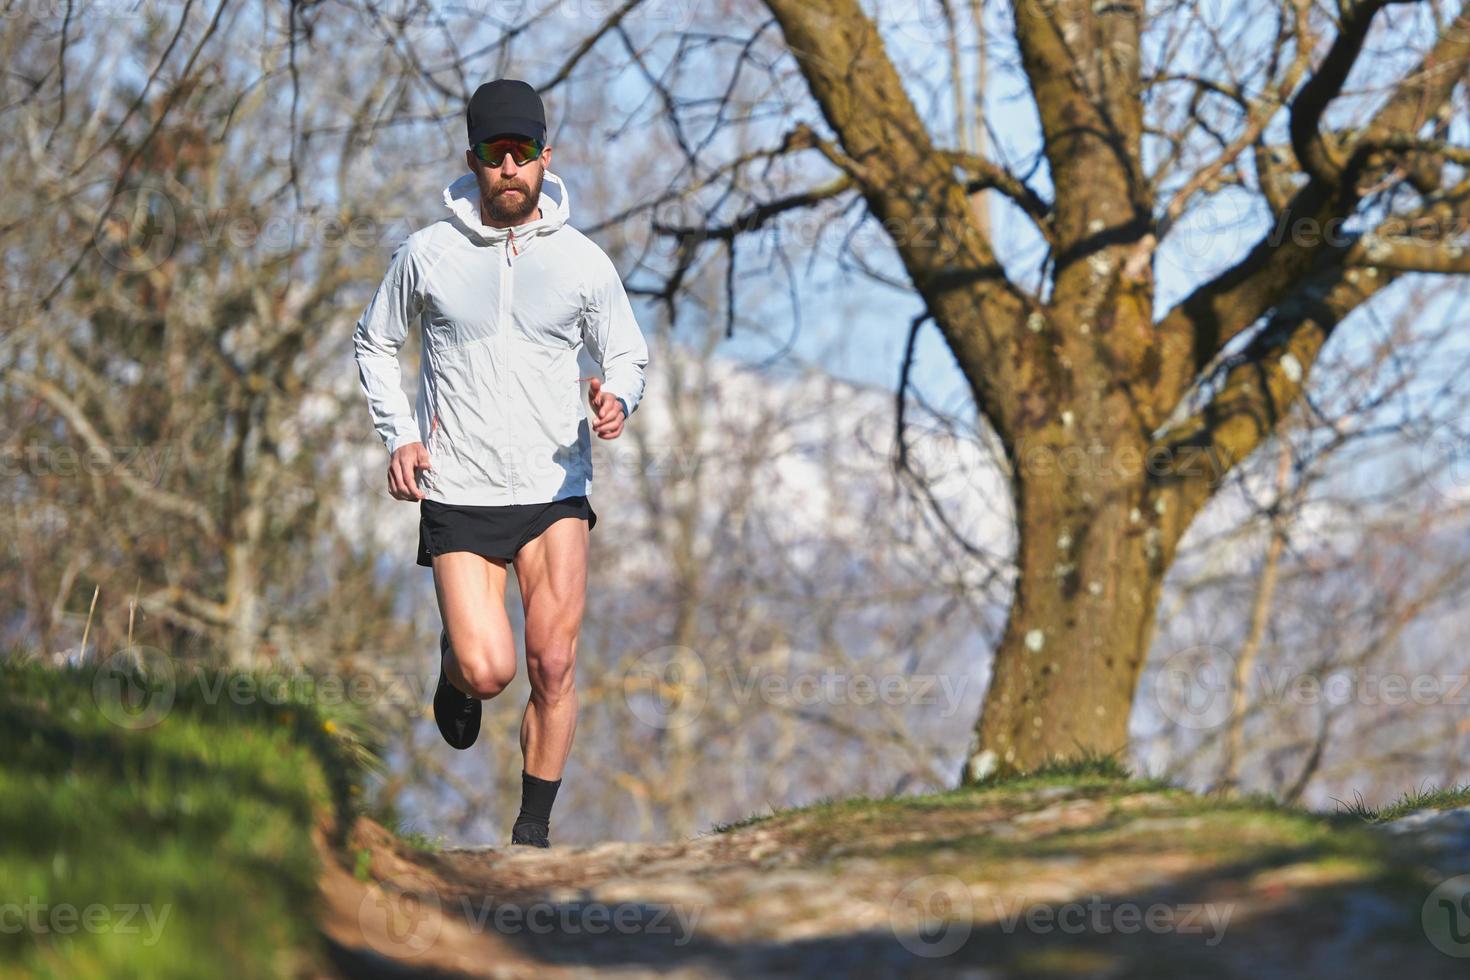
<point x="911" y="188"/>
<point x="1316" y="156"/>
<point x="1260" y="384"/>
<point x="1194" y="332"/>
<point x="985" y="174"/>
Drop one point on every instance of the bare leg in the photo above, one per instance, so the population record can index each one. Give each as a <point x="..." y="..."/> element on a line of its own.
<point x="471" y="591"/>
<point x="552" y="572"/>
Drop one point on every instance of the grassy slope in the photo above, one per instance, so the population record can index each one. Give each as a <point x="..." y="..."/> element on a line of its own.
<point x="1295" y="878"/>
<point x="189" y="839"/>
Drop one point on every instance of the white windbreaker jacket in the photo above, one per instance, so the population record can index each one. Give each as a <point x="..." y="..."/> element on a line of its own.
<point x="503" y="314"/>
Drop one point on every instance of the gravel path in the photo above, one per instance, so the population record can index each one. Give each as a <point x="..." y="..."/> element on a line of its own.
<point x="1057" y="881"/>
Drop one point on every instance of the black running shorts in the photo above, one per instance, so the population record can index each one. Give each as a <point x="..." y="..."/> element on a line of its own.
<point x="491" y="531"/>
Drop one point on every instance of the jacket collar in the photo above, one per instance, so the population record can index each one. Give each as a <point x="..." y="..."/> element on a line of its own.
<point x="462" y="197"/>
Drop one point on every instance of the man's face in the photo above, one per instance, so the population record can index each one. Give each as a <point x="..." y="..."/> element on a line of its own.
<point x="509" y="192"/>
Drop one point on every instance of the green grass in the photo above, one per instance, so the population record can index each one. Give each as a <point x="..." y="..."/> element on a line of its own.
<point x="1088" y="775"/>
<point x="175" y="844"/>
<point x="1091" y="775"/>
<point x="1424" y="798"/>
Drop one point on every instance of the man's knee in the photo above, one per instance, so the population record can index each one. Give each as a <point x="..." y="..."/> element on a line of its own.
<point x="486" y="673"/>
<point x="488" y="680"/>
<point x="551" y="669"/>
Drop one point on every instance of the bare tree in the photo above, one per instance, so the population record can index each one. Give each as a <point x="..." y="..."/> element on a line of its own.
<point x="1119" y="419"/>
<point x="1116" y="412"/>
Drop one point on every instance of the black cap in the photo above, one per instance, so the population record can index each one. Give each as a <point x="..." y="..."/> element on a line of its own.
<point x="506" y="105"/>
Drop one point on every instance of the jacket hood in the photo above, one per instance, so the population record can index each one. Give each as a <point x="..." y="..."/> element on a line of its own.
<point x="462" y="197"/>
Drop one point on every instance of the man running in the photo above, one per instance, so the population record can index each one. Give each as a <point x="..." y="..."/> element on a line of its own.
<point x="497" y="450"/>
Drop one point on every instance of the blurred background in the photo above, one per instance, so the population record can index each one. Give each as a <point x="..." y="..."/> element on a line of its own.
<point x="200" y="197"/>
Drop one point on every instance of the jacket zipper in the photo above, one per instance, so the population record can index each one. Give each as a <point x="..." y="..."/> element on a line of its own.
<point x="506" y="280"/>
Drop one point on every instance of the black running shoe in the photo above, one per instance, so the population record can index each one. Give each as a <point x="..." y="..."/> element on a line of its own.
<point x="530" y="834"/>
<point x="456" y="713"/>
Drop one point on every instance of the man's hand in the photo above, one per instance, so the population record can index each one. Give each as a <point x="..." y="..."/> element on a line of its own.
<point x="607" y="410"/>
<point x="403" y="470"/>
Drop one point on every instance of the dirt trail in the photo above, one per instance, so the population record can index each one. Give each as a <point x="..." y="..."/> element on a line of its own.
<point x="1052" y="882"/>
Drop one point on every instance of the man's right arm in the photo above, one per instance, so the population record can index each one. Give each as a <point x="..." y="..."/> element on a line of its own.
<point x="381" y="332"/>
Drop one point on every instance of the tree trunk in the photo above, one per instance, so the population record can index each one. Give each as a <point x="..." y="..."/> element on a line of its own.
<point x="243" y="600"/>
<point x="1095" y="541"/>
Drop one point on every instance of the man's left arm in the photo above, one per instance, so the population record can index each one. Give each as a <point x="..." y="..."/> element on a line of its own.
<point x="611" y="333"/>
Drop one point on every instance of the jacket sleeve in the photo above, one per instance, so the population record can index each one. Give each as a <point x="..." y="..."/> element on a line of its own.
<point x="380" y="333"/>
<point x="611" y="333"/>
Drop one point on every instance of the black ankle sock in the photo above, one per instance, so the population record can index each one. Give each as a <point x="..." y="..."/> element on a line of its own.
<point x="537" y="796"/>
